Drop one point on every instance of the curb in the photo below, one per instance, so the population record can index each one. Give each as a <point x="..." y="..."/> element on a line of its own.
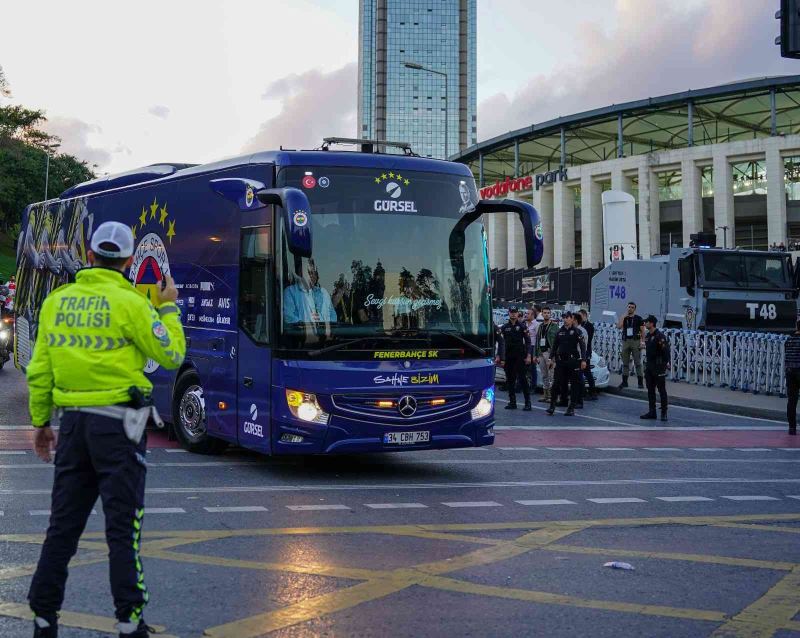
<point x="700" y="404"/>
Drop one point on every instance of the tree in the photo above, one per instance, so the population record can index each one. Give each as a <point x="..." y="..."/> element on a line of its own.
<point x="23" y="157"/>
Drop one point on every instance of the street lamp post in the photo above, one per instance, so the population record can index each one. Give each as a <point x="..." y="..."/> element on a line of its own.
<point x="419" y="67"/>
<point x="47" y="149"/>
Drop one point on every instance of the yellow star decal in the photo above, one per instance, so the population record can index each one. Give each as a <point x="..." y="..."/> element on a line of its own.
<point x="391" y="175"/>
<point x="133" y="231"/>
<point x="153" y="208"/>
<point x="163" y="215"/>
<point x="171" y="231"/>
<point x="383" y="175"/>
<point x="377" y="180"/>
<point x="152" y="213"/>
<point x="400" y="177"/>
<point x="143" y="216"/>
<point x="406" y="182"/>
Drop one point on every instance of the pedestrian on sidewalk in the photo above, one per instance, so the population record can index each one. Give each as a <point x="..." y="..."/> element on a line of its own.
<point x="589" y="327"/>
<point x="515" y="354"/>
<point x="532" y="322"/>
<point x="791" y="351"/>
<point x="102" y="399"/>
<point x="542" y="351"/>
<point x="569" y="350"/>
<point x="632" y="327"/>
<point x="656" y="364"/>
<point x="581" y="375"/>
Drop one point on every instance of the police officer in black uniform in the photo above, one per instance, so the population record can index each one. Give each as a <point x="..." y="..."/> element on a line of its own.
<point x="569" y="351"/>
<point x="514" y="354"/>
<point x="655" y="368"/>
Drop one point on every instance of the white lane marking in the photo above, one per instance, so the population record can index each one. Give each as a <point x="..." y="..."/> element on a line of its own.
<point x="683" y="499"/>
<point x="173" y="450"/>
<point x="682" y="407"/>
<point x="527" y="449"/>
<point x="243" y="489"/>
<point x="552" y="501"/>
<point x="609" y="501"/>
<point x="750" y="498"/>
<point x="238" y="508"/>
<point x="395" y="506"/>
<point x="2" y="513"/>
<point x="616" y="449"/>
<point x="662" y="449"/>
<point x="14" y="452"/>
<point x="795" y="497"/>
<point x="789" y="449"/>
<point x="642" y="428"/>
<point x="565" y="449"/>
<point x="315" y="508"/>
<point x="708" y="449"/>
<point x="164" y="510"/>
<point x="473" y="504"/>
<point x="753" y="449"/>
<point x="47" y="512"/>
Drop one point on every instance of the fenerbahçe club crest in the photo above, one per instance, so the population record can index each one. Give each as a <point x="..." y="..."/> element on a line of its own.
<point x="150" y="259"/>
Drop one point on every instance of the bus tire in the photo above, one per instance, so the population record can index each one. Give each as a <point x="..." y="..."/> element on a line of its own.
<point x="189" y="417"/>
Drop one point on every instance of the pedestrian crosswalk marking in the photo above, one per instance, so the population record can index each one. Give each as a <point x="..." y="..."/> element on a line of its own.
<point x="554" y="501"/>
<point x="394" y="506"/>
<point x="236" y="508"/>
<point x="313" y="508"/>
<point x="472" y="504"/>
<point x="750" y="498"/>
<point x="684" y="499"/>
<point x="609" y="501"/>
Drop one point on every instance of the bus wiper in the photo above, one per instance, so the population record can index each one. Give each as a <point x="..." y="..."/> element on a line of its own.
<point x="454" y="335"/>
<point x="349" y="342"/>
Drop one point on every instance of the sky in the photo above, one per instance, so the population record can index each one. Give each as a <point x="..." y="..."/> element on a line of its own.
<point x="194" y="81"/>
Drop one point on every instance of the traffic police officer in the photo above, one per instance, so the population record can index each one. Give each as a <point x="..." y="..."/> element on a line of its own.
<point x="514" y="355"/>
<point x="569" y="351"/>
<point x="655" y="368"/>
<point x="94" y="338"/>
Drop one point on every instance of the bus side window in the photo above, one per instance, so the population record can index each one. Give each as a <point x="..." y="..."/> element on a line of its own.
<point x="254" y="277"/>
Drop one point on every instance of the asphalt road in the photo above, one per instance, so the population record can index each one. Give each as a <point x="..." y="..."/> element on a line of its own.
<point x="502" y="541"/>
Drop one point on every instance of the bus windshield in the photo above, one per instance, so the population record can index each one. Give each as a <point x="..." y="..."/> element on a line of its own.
<point x="744" y="270"/>
<point x="384" y="264"/>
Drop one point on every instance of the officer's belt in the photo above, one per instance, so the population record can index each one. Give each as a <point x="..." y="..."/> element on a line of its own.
<point x="134" y="420"/>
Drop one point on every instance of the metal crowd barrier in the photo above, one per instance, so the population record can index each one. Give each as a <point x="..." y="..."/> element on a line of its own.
<point x="746" y="361"/>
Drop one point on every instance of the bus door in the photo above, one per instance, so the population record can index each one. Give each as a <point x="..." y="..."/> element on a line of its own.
<point x="255" y="354"/>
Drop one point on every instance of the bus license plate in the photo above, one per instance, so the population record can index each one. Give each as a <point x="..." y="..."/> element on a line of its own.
<point x="406" y="438"/>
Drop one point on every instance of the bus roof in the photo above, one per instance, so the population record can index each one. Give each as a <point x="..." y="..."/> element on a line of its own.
<point x="167" y="172"/>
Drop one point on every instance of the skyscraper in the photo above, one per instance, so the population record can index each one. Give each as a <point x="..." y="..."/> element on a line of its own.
<point x="405" y="104"/>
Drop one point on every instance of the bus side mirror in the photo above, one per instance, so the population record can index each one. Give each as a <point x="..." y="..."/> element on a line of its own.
<point x="296" y="216"/>
<point x="531" y="224"/>
<point x="685" y="272"/>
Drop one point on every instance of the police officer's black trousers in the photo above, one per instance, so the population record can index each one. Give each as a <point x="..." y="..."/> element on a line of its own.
<point x="567" y="381"/>
<point x="515" y="370"/>
<point x="655" y="382"/>
<point x="93" y="456"/>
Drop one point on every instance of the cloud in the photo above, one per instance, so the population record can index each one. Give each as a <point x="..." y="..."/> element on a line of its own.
<point x="159" y="110"/>
<point x="313" y="105"/>
<point x="655" y="48"/>
<point x="74" y="134"/>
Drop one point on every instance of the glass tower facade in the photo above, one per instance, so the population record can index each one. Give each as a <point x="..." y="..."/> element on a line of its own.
<point x="435" y="113"/>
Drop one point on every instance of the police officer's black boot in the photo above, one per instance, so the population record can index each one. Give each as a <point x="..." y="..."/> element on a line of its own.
<point x="551" y="410"/>
<point x="528" y="406"/>
<point x="651" y="414"/>
<point x="512" y="402"/>
<point x="663" y="414"/>
<point x="570" y="410"/>
<point x="793" y="431"/>
<point x="624" y="383"/>
<point x="45" y="628"/>
<point x="641" y="383"/>
<point x="141" y="630"/>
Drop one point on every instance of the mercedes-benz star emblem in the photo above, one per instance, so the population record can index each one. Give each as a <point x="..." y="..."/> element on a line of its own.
<point x="407" y="406"/>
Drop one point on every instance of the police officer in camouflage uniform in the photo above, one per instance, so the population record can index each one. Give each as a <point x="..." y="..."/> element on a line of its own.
<point x="514" y="355"/>
<point x="94" y="338"/>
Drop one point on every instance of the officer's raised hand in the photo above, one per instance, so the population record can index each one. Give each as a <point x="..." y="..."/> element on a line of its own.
<point x="583" y="365"/>
<point x="43" y="442"/>
<point x="166" y="290"/>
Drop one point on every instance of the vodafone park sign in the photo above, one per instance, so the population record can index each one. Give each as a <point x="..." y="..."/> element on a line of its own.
<point x="513" y="185"/>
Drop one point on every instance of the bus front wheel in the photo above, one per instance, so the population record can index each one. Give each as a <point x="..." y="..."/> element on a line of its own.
<point x="190" y="419"/>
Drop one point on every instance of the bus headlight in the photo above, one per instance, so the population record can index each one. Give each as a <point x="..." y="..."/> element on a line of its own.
<point x="485" y="405"/>
<point x="5" y="334"/>
<point x="304" y="406"/>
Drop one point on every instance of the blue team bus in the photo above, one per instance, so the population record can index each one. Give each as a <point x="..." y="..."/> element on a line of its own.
<point x="334" y="301"/>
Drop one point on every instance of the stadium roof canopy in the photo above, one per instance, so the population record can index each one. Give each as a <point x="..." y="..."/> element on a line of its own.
<point x="730" y="112"/>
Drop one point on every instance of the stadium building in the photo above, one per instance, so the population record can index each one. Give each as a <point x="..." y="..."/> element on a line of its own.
<point x="724" y="159"/>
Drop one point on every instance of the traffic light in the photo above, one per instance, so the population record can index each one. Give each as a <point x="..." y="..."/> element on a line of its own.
<point x="789" y="39"/>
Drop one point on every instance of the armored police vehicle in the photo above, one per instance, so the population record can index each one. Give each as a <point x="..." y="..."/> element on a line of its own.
<point x="702" y="288"/>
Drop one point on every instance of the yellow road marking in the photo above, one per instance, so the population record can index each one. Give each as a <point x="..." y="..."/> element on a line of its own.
<point x="770" y="613"/>
<point x="71" y="619"/>
<point x="547" y="598"/>
<point x="307" y="609"/>
<point x="695" y="558"/>
<point x="761" y="528"/>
